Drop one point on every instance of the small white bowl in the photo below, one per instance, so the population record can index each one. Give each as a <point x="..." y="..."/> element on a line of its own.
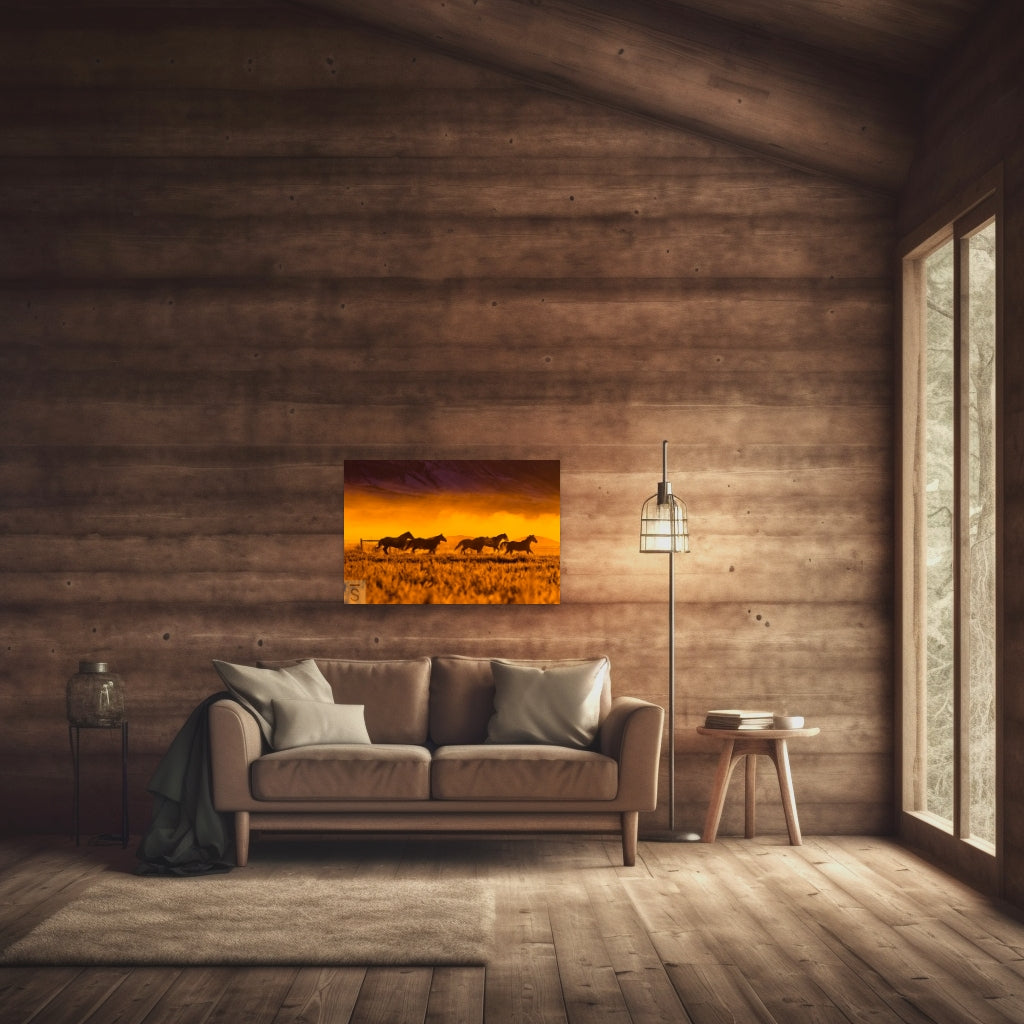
<point x="788" y="722"/>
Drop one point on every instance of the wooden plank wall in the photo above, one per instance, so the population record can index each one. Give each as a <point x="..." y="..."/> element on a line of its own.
<point x="242" y="245"/>
<point x="972" y="127"/>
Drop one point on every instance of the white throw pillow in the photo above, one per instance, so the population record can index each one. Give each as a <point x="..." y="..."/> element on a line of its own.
<point x="256" y="688"/>
<point x="559" y="704"/>
<point x="305" y="723"/>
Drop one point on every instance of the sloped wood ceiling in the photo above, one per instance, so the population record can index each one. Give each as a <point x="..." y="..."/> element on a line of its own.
<point x="828" y="86"/>
<point x="909" y="37"/>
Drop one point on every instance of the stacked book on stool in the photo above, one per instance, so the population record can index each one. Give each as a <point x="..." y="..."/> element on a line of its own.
<point x="736" y="719"/>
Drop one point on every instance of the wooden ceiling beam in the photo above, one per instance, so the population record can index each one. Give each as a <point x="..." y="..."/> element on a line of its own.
<point x="681" y="68"/>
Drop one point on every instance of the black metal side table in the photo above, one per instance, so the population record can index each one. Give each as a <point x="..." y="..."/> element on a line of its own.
<point x="74" y="735"/>
<point x="95" y="698"/>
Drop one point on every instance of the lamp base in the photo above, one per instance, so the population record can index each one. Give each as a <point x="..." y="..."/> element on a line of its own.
<point x="676" y="836"/>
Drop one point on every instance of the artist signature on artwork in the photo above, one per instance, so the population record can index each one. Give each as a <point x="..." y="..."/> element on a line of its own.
<point x="355" y="591"/>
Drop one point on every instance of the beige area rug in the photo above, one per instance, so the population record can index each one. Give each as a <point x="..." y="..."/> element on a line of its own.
<point x="224" y="919"/>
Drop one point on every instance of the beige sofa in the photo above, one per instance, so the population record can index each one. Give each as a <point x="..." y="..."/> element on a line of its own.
<point x="451" y="744"/>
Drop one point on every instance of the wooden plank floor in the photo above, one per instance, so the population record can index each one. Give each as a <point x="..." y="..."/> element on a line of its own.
<point x="838" y="930"/>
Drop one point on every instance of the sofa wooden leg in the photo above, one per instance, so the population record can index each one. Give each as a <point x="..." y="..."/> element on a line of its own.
<point x="241" y="838"/>
<point x="630" y="826"/>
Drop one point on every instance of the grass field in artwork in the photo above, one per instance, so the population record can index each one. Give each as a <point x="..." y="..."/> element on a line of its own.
<point x="404" y="577"/>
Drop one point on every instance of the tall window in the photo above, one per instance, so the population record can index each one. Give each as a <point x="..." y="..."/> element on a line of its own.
<point x="950" y="528"/>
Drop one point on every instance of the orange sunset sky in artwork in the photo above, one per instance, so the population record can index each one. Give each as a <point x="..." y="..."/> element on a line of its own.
<point x="457" y="498"/>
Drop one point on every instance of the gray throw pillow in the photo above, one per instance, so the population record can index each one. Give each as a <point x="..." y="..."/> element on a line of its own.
<point x="256" y="688"/>
<point x="559" y="705"/>
<point x="305" y="723"/>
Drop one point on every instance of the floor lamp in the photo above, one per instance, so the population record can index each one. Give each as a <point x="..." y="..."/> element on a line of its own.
<point x="663" y="530"/>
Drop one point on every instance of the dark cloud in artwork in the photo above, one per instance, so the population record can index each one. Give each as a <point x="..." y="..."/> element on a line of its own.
<point x="519" y="485"/>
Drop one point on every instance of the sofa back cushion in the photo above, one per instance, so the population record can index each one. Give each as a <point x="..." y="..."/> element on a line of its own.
<point x="462" y="695"/>
<point x="395" y="695"/>
<point x="461" y="699"/>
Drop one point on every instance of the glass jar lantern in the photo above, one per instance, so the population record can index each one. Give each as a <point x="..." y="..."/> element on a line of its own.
<point x="95" y="696"/>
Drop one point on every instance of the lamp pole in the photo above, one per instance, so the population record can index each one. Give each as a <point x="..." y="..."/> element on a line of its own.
<point x="664" y="528"/>
<point x="671" y="691"/>
<point x="665" y="497"/>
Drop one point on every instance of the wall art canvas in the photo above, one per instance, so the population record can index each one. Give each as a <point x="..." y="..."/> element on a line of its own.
<point x="453" y="531"/>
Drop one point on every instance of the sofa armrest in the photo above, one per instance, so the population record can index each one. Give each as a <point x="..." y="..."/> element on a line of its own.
<point x="631" y="733"/>
<point x="235" y="742"/>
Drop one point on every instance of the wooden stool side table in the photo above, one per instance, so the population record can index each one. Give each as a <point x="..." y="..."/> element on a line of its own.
<point x="747" y="744"/>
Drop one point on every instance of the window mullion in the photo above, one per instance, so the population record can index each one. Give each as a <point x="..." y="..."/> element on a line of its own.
<point x="961" y="546"/>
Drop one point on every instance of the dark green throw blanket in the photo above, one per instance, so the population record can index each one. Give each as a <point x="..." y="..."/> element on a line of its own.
<point x="186" y="835"/>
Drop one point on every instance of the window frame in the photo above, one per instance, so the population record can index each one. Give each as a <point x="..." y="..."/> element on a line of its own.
<point x="972" y="861"/>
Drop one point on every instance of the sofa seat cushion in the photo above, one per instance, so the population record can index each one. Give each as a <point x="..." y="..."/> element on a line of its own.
<point x="512" y="771"/>
<point x="350" y="771"/>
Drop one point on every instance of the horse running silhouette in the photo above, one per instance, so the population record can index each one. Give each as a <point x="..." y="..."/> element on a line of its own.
<point x="479" y="543"/>
<point x="401" y="542"/>
<point x="426" y="543"/>
<point x="513" y="546"/>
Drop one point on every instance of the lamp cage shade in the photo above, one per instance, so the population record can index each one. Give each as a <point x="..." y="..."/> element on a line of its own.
<point x="663" y="523"/>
